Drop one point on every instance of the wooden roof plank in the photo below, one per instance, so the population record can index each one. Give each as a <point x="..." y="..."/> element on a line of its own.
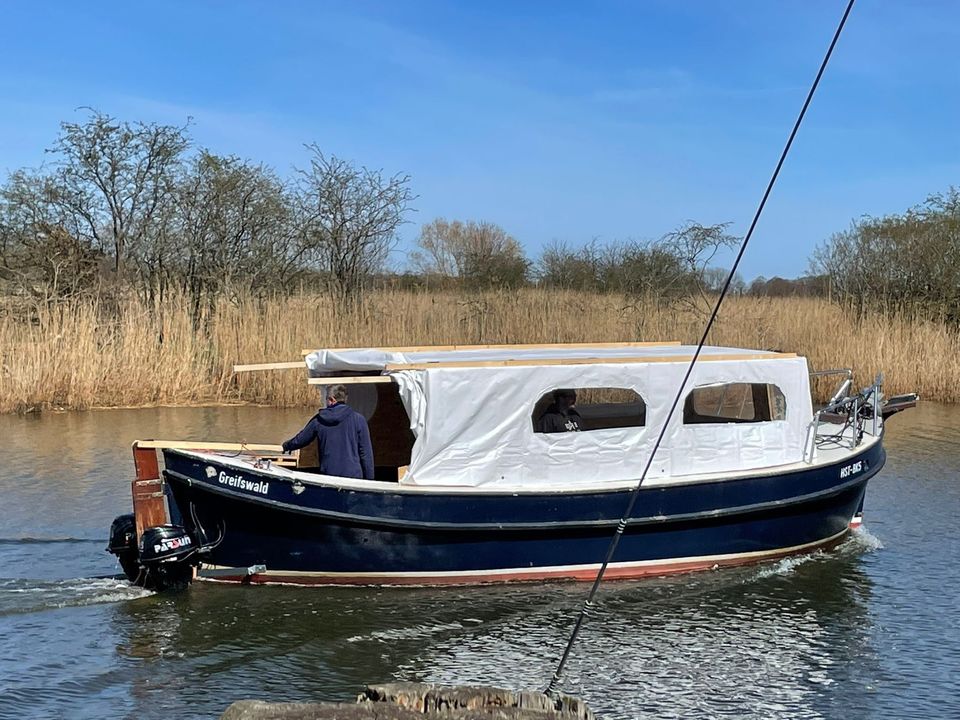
<point x="521" y="346"/>
<point x="349" y="380"/>
<point x="292" y="365"/>
<point x="534" y="362"/>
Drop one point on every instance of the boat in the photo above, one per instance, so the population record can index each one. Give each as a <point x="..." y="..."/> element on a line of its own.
<point x="468" y="488"/>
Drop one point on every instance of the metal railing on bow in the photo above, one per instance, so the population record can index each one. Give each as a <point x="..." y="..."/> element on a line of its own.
<point x="846" y="417"/>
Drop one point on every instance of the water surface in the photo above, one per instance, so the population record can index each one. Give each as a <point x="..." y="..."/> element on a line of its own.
<point x="869" y="630"/>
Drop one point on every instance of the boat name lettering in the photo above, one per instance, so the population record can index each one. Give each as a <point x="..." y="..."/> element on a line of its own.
<point x="851" y="469"/>
<point x="241" y="483"/>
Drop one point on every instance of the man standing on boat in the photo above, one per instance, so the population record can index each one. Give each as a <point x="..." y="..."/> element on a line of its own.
<point x="342" y="436"/>
<point x="561" y="415"/>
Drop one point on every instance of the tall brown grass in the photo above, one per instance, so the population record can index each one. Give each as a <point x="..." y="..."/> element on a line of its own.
<point x="69" y="356"/>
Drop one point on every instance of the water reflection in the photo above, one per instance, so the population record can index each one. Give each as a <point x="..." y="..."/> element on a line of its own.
<point x="768" y="642"/>
<point x="66" y="475"/>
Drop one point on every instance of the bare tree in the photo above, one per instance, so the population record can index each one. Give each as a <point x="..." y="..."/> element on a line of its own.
<point x="42" y="255"/>
<point x="232" y="230"/>
<point x="695" y="246"/>
<point x="672" y="270"/>
<point x="480" y="254"/>
<point x="349" y="219"/>
<point x="903" y="263"/>
<point x="570" y="268"/>
<point x="441" y="246"/>
<point x="114" y="177"/>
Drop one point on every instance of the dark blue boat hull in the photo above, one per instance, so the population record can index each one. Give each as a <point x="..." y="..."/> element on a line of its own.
<point x="324" y="533"/>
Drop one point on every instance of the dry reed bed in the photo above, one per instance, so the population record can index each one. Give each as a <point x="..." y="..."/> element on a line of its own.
<point x="72" y="358"/>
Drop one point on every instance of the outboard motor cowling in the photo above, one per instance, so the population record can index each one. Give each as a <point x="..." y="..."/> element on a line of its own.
<point x="163" y="560"/>
<point x="123" y="544"/>
<point x="168" y="554"/>
<point x="166" y="543"/>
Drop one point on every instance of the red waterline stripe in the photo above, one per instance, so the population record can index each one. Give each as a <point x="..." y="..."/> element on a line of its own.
<point x="586" y="574"/>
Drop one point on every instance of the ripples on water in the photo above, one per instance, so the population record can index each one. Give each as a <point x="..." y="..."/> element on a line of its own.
<point x="867" y="630"/>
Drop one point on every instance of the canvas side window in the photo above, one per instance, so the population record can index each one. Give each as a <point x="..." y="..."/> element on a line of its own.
<point x="734" y="403"/>
<point x="585" y="409"/>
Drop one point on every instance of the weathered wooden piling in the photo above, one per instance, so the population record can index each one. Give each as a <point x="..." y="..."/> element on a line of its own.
<point x="412" y="701"/>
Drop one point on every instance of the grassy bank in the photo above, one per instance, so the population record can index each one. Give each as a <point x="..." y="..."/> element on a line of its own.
<point x="72" y="357"/>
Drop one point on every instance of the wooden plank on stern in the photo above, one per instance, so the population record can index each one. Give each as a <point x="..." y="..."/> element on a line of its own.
<point x="149" y="503"/>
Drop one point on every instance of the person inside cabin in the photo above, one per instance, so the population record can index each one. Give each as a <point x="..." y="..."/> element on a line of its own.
<point x="342" y="436"/>
<point x="561" y="415"/>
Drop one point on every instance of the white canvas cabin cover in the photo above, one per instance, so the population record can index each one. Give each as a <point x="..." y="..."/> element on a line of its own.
<point x="472" y="413"/>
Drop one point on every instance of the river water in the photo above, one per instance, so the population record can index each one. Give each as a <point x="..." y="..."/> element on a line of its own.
<point x="869" y="630"/>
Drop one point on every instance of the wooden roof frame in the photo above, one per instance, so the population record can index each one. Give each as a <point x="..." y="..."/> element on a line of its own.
<point x="509" y="362"/>
<point x="552" y="362"/>
<point x="350" y="380"/>
<point x="515" y="346"/>
<point x="292" y="365"/>
<point x="299" y="364"/>
<point x="534" y="362"/>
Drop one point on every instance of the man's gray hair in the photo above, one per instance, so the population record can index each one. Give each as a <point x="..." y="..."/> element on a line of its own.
<point x="337" y="392"/>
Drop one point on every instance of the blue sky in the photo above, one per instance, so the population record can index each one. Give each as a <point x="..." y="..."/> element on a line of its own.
<point x="559" y="121"/>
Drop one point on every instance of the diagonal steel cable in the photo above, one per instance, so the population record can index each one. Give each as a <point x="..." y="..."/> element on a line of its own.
<point x="588" y="604"/>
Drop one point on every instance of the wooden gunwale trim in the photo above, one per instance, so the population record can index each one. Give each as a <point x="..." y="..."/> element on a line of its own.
<point x="532" y="362"/>
<point x="195" y="445"/>
<point x="527" y="346"/>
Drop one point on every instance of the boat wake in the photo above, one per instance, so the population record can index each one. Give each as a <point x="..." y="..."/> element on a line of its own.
<point x="18" y="596"/>
<point x="865" y="540"/>
<point x="48" y="540"/>
<point x="859" y="542"/>
<point x="786" y="565"/>
<point x="408" y="633"/>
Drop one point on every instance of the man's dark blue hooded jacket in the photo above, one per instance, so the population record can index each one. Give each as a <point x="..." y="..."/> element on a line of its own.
<point x="344" y="440"/>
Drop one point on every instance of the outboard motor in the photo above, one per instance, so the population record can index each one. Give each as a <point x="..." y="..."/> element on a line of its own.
<point x="168" y="556"/>
<point x="123" y="544"/>
<point x="164" y="559"/>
